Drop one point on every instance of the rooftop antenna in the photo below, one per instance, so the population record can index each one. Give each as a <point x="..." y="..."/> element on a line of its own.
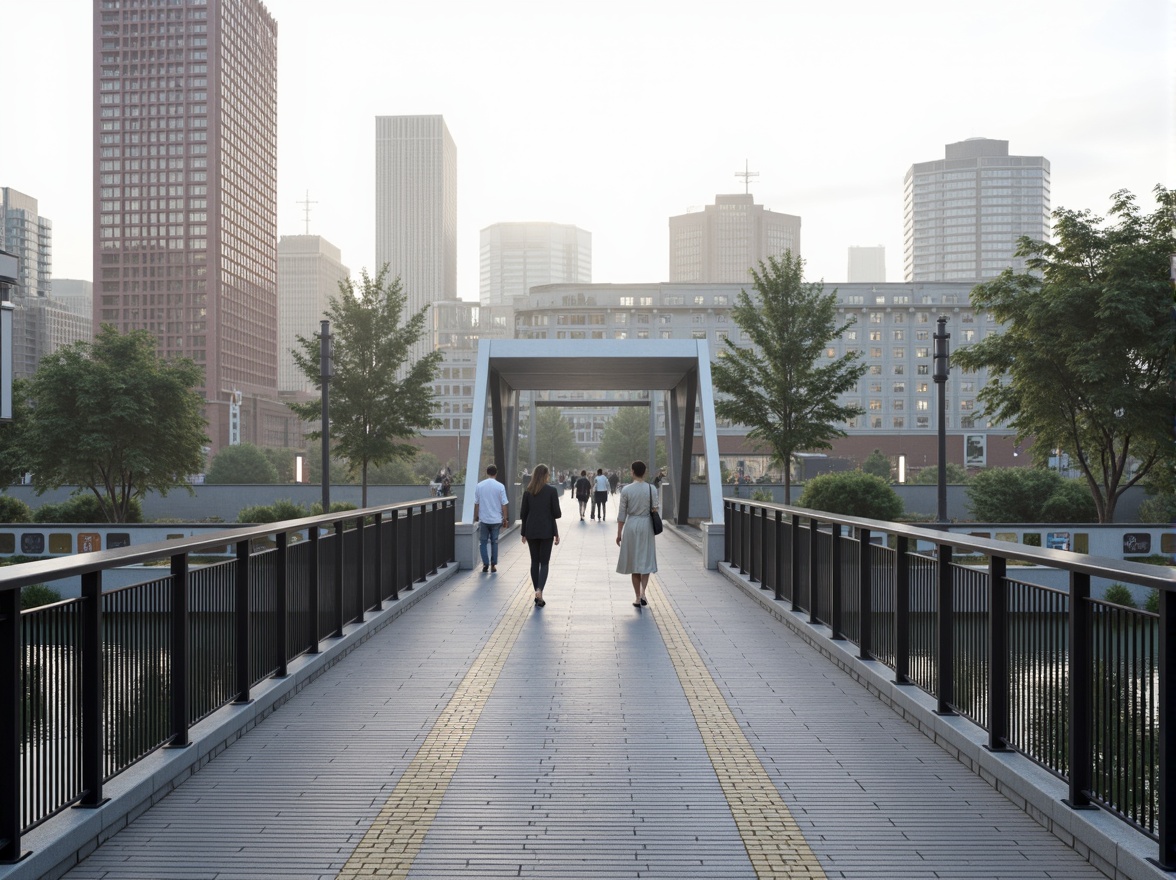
<point x="747" y="176"/>
<point x="306" y="203"/>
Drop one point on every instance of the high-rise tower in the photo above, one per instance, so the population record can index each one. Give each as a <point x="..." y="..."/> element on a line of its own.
<point x="722" y="243"/>
<point x="29" y="236"/>
<point x="963" y="214"/>
<point x="517" y="256"/>
<point x="185" y="193"/>
<point x="416" y="208"/>
<point x="309" y="271"/>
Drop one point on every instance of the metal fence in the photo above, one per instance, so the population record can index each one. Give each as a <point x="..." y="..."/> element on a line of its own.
<point x="94" y="684"/>
<point x="1079" y="685"/>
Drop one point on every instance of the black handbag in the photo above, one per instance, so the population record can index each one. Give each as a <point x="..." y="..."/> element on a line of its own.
<point x="654" y="517"/>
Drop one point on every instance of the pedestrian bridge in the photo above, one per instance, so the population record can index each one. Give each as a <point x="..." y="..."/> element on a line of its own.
<point x="452" y="730"/>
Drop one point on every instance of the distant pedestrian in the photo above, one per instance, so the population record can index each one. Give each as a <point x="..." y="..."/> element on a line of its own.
<point x="613" y="479"/>
<point x="583" y="492"/>
<point x="537" y="515"/>
<point x="490" y="512"/>
<point x="638" y="556"/>
<point x="600" y="493"/>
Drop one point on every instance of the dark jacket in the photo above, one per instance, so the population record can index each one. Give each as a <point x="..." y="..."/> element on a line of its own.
<point x="538" y="513"/>
<point x="583" y="488"/>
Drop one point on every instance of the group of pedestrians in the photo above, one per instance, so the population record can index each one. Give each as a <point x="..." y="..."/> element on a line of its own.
<point x="539" y="513"/>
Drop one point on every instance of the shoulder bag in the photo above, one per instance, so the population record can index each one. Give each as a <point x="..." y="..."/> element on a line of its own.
<point x="654" y="517"/>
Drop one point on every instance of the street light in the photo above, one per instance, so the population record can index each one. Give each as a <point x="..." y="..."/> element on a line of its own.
<point x="942" y="366"/>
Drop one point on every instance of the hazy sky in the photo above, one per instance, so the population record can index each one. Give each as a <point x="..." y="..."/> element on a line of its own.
<point x="614" y="116"/>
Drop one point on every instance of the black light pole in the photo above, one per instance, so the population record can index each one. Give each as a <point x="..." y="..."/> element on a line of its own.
<point x="941" y="367"/>
<point x="325" y="377"/>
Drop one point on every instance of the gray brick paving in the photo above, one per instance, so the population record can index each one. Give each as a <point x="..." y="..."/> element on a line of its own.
<point x="586" y="761"/>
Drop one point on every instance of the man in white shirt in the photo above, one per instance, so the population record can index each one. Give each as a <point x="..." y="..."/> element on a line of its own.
<point x="600" y="495"/>
<point x="490" y="504"/>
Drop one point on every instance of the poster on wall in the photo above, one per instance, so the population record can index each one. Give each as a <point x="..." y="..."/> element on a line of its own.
<point x="975" y="450"/>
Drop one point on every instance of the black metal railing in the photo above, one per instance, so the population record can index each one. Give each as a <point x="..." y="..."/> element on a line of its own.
<point x="94" y="684"/>
<point x="1079" y="685"/>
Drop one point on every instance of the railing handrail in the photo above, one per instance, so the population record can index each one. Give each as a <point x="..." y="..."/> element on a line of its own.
<point x="1138" y="573"/>
<point x="25" y="573"/>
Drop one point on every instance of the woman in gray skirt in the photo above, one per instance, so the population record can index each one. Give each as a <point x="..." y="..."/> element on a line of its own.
<point x="638" y="556"/>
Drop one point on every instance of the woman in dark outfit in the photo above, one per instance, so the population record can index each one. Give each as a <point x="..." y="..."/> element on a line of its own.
<point x="538" y="515"/>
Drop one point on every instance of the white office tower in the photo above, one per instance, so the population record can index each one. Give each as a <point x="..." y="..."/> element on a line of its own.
<point x="514" y="257"/>
<point x="867" y="264"/>
<point x="963" y="214"/>
<point x="309" y="272"/>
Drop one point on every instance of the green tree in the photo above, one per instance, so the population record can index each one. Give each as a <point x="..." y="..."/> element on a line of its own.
<point x="852" y="493"/>
<point x="241" y="464"/>
<point x="555" y="444"/>
<point x="1083" y="363"/>
<point x="877" y="464"/>
<point x="782" y="387"/>
<point x="379" y="396"/>
<point x="1069" y="503"/>
<point x="113" y="419"/>
<point x="957" y="475"/>
<point x="626" y="439"/>
<point x="13" y="510"/>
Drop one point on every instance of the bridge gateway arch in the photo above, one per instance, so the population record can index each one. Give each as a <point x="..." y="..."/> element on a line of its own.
<point x="677" y="368"/>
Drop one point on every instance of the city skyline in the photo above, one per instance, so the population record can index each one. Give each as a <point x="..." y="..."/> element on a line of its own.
<point x="651" y="133"/>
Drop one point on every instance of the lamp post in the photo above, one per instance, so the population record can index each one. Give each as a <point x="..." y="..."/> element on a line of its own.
<point x="942" y="366"/>
<point x="325" y="371"/>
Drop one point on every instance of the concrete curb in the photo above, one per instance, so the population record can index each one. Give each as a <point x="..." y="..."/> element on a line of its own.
<point x="63" y="841"/>
<point x="1108" y="843"/>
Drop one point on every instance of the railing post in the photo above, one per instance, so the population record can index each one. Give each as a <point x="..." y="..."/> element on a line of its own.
<point x="10" y="784"/>
<point x="394" y="552"/>
<point x="241" y="612"/>
<point x="865" y="596"/>
<point x="360" y="569"/>
<point x="1166" y="825"/>
<point x="180" y="697"/>
<point x="836" y="624"/>
<point x="763" y="537"/>
<point x="998" y="655"/>
<point x="745" y="539"/>
<point x="431" y="539"/>
<point x="814" y="578"/>
<point x="728" y="524"/>
<point x="337" y="632"/>
<point x="945" y="662"/>
<point x="409" y="549"/>
<point x="282" y="603"/>
<point x="778" y="574"/>
<point x="378" y="562"/>
<point x="902" y="611"/>
<point x="794" y="563"/>
<point x="737" y="537"/>
<point x="92" y="721"/>
<point x="420" y="535"/>
<point x="1081" y="676"/>
<point x="312" y="591"/>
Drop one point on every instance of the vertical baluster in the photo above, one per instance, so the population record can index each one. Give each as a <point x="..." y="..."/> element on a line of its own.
<point x="781" y="559"/>
<point x="282" y="604"/>
<point x="836" y="624"/>
<point x="180" y="653"/>
<point x="312" y="590"/>
<point x="241" y="620"/>
<point x="946" y="617"/>
<point x="337" y="631"/>
<point x="814" y="583"/>
<point x="1081" y="747"/>
<point x="998" y="655"/>
<point x="360" y="573"/>
<point x="865" y="596"/>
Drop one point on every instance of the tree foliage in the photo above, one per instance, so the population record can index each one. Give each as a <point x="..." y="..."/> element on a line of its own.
<point x="782" y="387"/>
<point x="379" y="397"/>
<point x="240" y="465"/>
<point x="852" y="493"/>
<point x="13" y="510"/>
<point x="83" y="508"/>
<point x="1028" y="495"/>
<point x="626" y="439"/>
<point x="877" y="464"/>
<point x="555" y="444"/>
<point x="957" y="475"/>
<point x="1083" y="363"/>
<point x="113" y="419"/>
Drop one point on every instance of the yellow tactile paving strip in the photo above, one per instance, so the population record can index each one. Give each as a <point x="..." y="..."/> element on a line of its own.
<point x="395" y="837"/>
<point x="774" y="842"/>
<point x="775" y="845"/>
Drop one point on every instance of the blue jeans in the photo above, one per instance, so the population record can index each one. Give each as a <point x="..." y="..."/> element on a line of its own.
<point x="488" y="532"/>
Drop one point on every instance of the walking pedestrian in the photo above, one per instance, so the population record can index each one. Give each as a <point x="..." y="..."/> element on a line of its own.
<point x="537" y="515"/>
<point x="638" y="555"/>
<point x="583" y="492"/>
<point x="613" y="479"/>
<point x="600" y="495"/>
<point x="490" y="512"/>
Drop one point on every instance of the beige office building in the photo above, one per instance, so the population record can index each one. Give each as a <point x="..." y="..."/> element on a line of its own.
<point x="309" y="271"/>
<point x="724" y="241"/>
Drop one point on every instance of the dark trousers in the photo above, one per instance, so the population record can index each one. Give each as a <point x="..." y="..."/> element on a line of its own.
<point x="540" y="559"/>
<point x="599" y="502"/>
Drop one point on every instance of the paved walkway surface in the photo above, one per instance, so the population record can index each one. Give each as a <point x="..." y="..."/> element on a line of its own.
<point x="478" y="736"/>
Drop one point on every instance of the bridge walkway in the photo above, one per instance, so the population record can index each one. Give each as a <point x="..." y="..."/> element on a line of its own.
<point x="477" y="736"/>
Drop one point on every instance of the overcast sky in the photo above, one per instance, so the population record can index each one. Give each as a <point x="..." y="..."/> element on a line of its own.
<point x="613" y="116"/>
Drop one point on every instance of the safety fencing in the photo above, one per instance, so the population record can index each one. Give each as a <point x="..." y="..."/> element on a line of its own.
<point x="1080" y="685"/>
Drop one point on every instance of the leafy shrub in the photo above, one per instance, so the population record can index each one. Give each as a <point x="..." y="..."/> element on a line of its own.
<point x="280" y="510"/>
<point x="35" y="595"/>
<point x="1158" y="509"/>
<point x="852" y="493"/>
<point x="13" y="510"/>
<point x="1070" y="503"/>
<point x="761" y="495"/>
<point x="877" y="464"/>
<point x="1029" y="495"/>
<point x="929" y="476"/>
<point x="83" y="508"/>
<point x="1119" y="595"/>
<point x="316" y="509"/>
<point x="241" y="464"/>
<point x="1152" y="603"/>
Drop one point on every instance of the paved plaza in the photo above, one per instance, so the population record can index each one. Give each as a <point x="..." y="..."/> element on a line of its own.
<point x="477" y="736"/>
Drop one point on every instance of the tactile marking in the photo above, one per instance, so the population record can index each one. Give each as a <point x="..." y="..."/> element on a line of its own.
<point x="392" y="842"/>
<point x="775" y="845"/>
